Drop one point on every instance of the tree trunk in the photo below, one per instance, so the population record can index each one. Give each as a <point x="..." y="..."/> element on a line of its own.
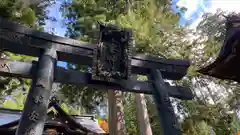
<point x="142" y="115"/>
<point x="116" y="114"/>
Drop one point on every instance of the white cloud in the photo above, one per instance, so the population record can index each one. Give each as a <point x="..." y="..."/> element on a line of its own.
<point x="194" y="6"/>
<point x="225" y="5"/>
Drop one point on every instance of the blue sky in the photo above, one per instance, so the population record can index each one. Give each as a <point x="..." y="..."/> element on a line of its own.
<point x="195" y="9"/>
<point x="58" y="25"/>
<point x="55" y="12"/>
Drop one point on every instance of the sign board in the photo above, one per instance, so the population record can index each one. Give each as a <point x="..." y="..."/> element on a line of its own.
<point x="112" y="56"/>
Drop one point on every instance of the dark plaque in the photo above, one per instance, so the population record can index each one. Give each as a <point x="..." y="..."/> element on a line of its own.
<point x="112" y="57"/>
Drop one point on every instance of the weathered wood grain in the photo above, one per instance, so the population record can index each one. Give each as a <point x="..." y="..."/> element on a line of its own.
<point x="28" y="69"/>
<point x="22" y="40"/>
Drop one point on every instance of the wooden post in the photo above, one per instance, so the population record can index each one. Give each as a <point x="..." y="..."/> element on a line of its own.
<point x="142" y="115"/>
<point x="111" y="112"/>
<point x="35" y="109"/>
<point x="116" y="115"/>
<point x="168" y="118"/>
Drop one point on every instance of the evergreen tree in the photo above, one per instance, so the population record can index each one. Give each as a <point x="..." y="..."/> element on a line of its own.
<point x="214" y="103"/>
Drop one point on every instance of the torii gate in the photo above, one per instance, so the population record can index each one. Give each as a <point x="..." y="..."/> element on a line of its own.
<point x="106" y="73"/>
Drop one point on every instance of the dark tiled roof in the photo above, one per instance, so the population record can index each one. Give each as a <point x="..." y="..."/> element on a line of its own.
<point x="8" y="116"/>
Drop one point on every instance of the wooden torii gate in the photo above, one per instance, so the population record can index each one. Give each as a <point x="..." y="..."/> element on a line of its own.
<point x="48" y="48"/>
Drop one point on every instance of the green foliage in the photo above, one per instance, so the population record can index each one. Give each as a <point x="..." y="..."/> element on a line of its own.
<point x="235" y="125"/>
<point x="16" y="101"/>
<point x="28" y="16"/>
<point x="70" y="110"/>
<point x="10" y="104"/>
<point x="130" y="115"/>
<point x="87" y="98"/>
<point x="32" y="14"/>
<point x="153" y="115"/>
<point x="20" y="57"/>
<point x="199" y="128"/>
<point x="214" y="116"/>
<point x="10" y="8"/>
<point x="64" y="107"/>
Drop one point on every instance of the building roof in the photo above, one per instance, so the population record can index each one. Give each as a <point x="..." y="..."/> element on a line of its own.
<point x="227" y="64"/>
<point x="9" y="118"/>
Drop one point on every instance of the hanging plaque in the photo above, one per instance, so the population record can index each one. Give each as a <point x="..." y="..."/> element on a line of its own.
<point x="112" y="56"/>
